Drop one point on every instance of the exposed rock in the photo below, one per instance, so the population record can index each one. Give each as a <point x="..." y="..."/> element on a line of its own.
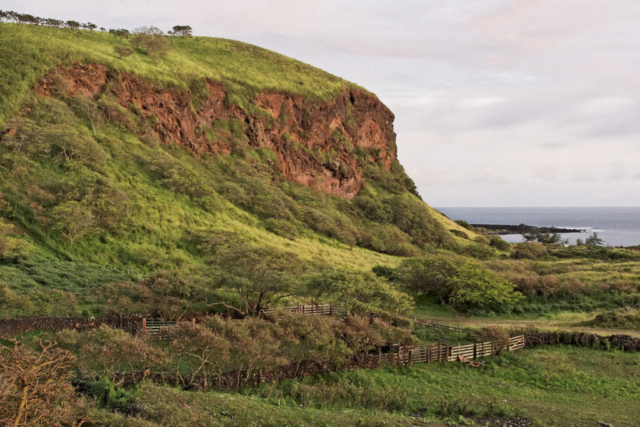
<point x="316" y="141"/>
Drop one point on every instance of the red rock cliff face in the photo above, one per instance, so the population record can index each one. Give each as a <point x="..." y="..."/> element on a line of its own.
<point x="317" y="142"/>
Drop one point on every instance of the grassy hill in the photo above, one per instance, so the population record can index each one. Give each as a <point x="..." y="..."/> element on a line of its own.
<point x="92" y="194"/>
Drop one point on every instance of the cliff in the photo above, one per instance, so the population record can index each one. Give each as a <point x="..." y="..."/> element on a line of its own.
<point x="317" y="142"/>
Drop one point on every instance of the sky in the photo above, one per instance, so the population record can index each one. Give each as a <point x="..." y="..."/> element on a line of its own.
<point x="497" y="102"/>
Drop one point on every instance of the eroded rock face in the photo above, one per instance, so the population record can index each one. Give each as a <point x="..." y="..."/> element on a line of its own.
<point x="317" y="142"/>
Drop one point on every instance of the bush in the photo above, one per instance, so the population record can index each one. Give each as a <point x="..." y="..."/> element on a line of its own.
<point x="528" y="250"/>
<point x="473" y="286"/>
<point x="11" y="247"/>
<point x="498" y="243"/>
<point x="282" y="228"/>
<point x="360" y="292"/>
<point x="123" y="51"/>
<point x="465" y="224"/>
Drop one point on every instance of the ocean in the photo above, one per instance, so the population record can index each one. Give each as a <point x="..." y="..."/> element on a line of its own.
<point x="617" y="226"/>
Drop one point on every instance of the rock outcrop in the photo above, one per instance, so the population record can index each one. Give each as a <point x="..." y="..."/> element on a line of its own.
<point x="321" y="144"/>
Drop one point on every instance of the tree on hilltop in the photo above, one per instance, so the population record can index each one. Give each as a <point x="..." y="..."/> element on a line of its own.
<point x="53" y="22"/>
<point x="152" y="40"/>
<point x="120" y="33"/>
<point x="181" y="30"/>
<point x="74" y="25"/>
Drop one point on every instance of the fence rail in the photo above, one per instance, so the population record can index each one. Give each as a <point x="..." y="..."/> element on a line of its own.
<point x="310" y="310"/>
<point x="443" y="352"/>
<point x="437" y="324"/>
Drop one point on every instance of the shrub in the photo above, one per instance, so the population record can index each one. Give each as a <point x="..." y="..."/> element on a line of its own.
<point x="282" y="228"/>
<point x="459" y="233"/>
<point x="477" y="250"/>
<point x="360" y="292"/>
<point x="123" y="51"/>
<point x="528" y="250"/>
<point x="465" y="224"/>
<point x="457" y="282"/>
<point x="11" y="247"/>
<point x="483" y="240"/>
<point x="473" y="286"/>
<point x="498" y="243"/>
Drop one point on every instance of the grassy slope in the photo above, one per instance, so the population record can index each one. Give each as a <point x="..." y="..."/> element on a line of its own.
<point x="155" y="234"/>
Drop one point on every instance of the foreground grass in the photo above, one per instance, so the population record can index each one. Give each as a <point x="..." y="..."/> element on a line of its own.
<point x="551" y="385"/>
<point x="166" y="406"/>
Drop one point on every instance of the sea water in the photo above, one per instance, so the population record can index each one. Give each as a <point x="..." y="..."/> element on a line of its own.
<point x="617" y="226"/>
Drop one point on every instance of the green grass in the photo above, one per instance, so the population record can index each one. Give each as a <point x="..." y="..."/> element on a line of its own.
<point x="173" y="407"/>
<point x="550" y="385"/>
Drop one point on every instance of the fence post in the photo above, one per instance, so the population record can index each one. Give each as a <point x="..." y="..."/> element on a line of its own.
<point x="475" y="345"/>
<point x="144" y="325"/>
<point x="439" y="352"/>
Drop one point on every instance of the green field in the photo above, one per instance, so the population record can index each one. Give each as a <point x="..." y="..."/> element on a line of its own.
<point x="549" y="385"/>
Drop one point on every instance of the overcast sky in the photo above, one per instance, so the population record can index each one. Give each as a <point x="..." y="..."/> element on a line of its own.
<point x="497" y="102"/>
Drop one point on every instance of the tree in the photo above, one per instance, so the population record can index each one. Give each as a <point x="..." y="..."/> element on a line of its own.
<point x="24" y="18"/>
<point x="473" y="286"/>
<point x="594" y="241"/>
<point x="360" y="292"/>
<point x="120" y="33"/>
<point x="153" y="41"/>
<point x="528" y="250"/>
<point x="123" y="51"/>
<point x="73" y="220"/>
<point x="89" y="26"/>
<point x="74" y="25"/>
<point x="35" y="387"/>
<point x="181" y="30"/>
<point x="53" y="22"/>
<point x="206" y="351"/>
<point x="430" y="274"/>
<point x="260" y="276"/>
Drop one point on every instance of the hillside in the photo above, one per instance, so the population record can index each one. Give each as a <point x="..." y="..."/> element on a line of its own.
<point x="115" y="168"/>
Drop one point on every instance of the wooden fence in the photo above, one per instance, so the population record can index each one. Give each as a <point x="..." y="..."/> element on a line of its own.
<point x="157" y="327"/>
<point x="310" y="310"/>
<point x="443" y="352"/>
<point x="437" y="324"/>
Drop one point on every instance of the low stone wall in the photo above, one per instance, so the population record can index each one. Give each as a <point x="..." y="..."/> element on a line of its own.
<point x="583" y="339"/>
<point x="231" y="380"/>
<point x="131" y="323"/>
